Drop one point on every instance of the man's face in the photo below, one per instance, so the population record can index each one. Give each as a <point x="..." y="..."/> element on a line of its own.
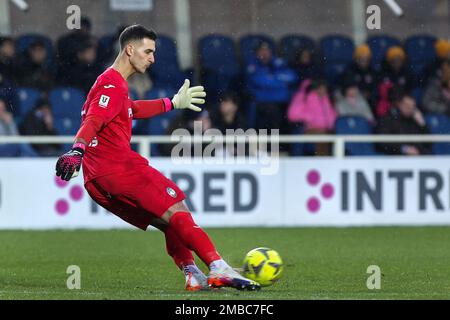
<point x="363" y="62"/>
<point x="38" y="54"/>
<point x="407" y="106"/>
<point x="8" y="49"/>
<point x="264" y="54"/>
<point x="142" y="54"/>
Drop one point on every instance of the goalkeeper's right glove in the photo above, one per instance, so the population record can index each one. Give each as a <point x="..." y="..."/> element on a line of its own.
<point x="69" y="164"/>
<point x="186" y="97"/>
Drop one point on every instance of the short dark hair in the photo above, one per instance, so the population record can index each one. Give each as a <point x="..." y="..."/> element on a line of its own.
<point x="135" y="32"/>
<point x="4" y="39"/>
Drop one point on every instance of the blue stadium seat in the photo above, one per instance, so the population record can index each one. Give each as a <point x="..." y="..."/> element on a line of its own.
<point x="420" y="51"/>
<point x="218" y="53"/>
<point x="158" y="126"/>
<point x="105" y="48"/>
<point x="347" y="125"/>
<point x="24" y="41"/>
<point x="166" y="70"/>
<point x="27" y="99"/>
<point x="67" y="126"/>
<point x="333" y="71"/>
<point x="291" y="44"/>
<point x="439" y="124"/>
<point x="337" y="52"/>
<point x="337" y="48"/>
<point x="248" y="44"/>
<point x="379" y="45"/>
<point x="66" y="102"/>
<point x="219" y="64"/>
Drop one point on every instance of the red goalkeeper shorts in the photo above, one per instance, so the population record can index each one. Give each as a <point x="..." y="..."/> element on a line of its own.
<point x="137" y="197"/>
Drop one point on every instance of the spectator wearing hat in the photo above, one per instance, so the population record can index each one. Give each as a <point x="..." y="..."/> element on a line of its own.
<point x="361" y="72"/>
<point x="351" y="102"/>
<point x="394" y="73"/>
<point x="39" y="121"/>
<point x="434" y="69"/>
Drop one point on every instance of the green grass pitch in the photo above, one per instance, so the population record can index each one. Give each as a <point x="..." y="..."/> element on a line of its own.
<point x="320" y="263"/>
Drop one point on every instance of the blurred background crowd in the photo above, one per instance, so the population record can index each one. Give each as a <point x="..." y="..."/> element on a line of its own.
<point x="297" y="84"/>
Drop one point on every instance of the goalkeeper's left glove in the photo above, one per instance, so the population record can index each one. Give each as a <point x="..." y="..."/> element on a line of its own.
<point x="69" y="164"/>
<point x="187" y="97"/>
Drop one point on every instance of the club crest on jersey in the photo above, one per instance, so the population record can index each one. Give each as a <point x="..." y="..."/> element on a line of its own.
<point x="130" y="113"/>
<point x="103" y="102"/>
<point x="171" y="192"/>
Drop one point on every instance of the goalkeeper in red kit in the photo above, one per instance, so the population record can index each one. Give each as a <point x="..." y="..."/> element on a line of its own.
<point x="123" y="182"/>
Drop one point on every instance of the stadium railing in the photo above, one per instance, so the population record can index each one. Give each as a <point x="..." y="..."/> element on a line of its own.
<point x="338" y="141"/>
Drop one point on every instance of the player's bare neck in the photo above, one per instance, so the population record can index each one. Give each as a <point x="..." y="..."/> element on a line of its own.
<point x="123" y="66"/>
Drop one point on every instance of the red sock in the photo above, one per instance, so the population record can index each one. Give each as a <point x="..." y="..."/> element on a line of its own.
<point x="177" y="250"/>
<point x="193" y="237"/>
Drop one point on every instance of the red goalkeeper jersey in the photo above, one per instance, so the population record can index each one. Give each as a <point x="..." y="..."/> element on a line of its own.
<point x="110" y="151"/>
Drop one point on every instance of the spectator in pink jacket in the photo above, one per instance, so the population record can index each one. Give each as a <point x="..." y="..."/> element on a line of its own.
<point x="312" y="107"/>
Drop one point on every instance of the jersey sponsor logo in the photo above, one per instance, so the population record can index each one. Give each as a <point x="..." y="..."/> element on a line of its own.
<point x="171" y="192"/>
<point x="103" y="102"/>
<point x="109" y="86"/>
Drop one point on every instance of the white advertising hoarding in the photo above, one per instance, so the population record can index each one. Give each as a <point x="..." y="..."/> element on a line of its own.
<point x="303" y="192"/>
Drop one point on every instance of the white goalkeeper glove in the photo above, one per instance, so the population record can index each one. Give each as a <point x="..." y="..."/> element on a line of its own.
<point x="186" y="98"/>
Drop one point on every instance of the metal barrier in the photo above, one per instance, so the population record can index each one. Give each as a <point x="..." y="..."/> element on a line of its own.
<point x="338" y="141"/>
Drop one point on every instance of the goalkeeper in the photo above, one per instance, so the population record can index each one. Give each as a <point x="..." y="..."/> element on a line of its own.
<point x="123" y="182"/>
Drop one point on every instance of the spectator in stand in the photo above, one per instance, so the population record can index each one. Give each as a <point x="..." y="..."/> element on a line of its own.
<point x="361" y="72"/>
<point x="404" y="118"/>
<point x="69" y="45"/>
<point x="394" y="74"/>
<point x="8" y="71"/>
<point x="7" y="59"/>
<point x="33" y="70"/>
<point x="434" y="69"/>
<point x="39" y="121"/>
<point x="269" y="81"/>
<point x="312" y="107"/>
<point x="436" y="98"/>
<point x="228" y="115"/>
<point x="306" y="66"/>
<point x="9" y="128"/>
<point x="84" y="70"/>
<point x="350" y="102"/>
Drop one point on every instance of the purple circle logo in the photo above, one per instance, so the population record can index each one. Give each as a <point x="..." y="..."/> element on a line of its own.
<point x="62" y="206"/>
<point x="326" y="191"/>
